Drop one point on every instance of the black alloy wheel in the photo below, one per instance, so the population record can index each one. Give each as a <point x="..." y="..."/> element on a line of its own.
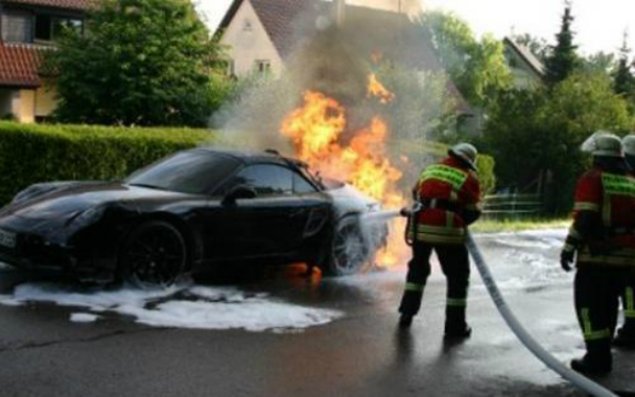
<point x="154" y="254"/>
<point x="349" y="250"/>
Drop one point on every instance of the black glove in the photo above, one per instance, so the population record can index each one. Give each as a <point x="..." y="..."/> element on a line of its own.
<point x="566" y="259"/>
<point x="405" y="212"/>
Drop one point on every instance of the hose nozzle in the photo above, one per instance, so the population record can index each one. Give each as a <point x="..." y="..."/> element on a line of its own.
<point x="407" y="212"/>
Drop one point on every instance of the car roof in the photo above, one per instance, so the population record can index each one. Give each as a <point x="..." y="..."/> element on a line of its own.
<point x="253" y="156"/>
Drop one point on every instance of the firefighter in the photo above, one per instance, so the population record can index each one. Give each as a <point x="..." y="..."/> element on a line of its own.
<point x="449" y="193"/>
<point x="603" y="236"/>
<point x="626" y="335"/>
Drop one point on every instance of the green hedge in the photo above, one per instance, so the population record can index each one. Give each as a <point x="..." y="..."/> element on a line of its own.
<point x="37" y="153"/>
<point x="40" y="153"/>
<point x="422" y="153"/>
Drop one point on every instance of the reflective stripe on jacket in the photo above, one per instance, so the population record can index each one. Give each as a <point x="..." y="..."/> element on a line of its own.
<point x="609" y="199"/>
<point x="452" y="182"/>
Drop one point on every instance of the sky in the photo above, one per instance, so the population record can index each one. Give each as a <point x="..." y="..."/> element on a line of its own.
<point x="600" y="25"/>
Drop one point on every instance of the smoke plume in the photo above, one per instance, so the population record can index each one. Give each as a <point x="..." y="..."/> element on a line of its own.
<point x="337" y="59"/>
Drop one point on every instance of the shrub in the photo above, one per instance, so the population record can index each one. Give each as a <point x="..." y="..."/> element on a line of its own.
<point x="422" y="153"/>
<point x="39" y="153"/>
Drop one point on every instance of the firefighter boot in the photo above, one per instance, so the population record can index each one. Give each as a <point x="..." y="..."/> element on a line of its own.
<point x="405" y="321"/>
<point x="410" y="304"/>
<point x="626" y="335"/>
<point x="597" y="361"/>
<point x="455" y="325"/>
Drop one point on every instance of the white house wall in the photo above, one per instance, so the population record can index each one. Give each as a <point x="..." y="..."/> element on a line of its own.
<point x="247" y="46"/>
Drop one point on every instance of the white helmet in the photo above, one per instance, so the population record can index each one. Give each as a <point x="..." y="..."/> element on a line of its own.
<point x="466" y="152"/>
<point x="603" y="143"/>
<point x="629" y="144"/>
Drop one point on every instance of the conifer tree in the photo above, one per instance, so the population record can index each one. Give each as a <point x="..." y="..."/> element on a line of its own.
<point x="623" y="79"/>
<point x="563" y="58"/>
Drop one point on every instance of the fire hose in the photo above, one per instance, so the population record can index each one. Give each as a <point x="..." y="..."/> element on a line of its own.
<point x="581" y="382"/>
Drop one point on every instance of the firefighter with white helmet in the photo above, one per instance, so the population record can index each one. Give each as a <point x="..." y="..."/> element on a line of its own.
<point x="448" y="193"/>
<point x="626" y="334"/>
<point x="603" y="236"/>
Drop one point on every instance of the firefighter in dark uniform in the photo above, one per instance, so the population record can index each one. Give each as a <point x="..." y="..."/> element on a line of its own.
<point x="603" y="235"/>
<point x="449" y="193"/>
<point x="626" y="334"/>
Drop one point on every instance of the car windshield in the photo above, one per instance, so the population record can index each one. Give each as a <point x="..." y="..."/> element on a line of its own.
<point x="315" y="178"/>
<point x="194" y="172"/>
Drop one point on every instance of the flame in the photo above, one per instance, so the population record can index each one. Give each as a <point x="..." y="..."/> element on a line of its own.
<point x="377" y="89"/>
<point x="316" y="130"/>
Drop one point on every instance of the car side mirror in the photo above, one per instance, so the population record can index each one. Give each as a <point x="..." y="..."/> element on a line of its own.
<point x="239" y="192"/>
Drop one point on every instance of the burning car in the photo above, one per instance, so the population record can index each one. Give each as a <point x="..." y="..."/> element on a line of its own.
<point x="187" y="213"/>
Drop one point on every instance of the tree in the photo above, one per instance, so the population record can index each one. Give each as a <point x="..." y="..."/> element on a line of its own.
<point x="563" y="58"/>
<point x="623" y="79"/>
<point x="535" y="134"/>
<point x="140" y="62"/>
<point x="600" y="62"/>
<point x="479" y="69"/>
<point x="515" y="137"/>
<point x="487" y="72"/>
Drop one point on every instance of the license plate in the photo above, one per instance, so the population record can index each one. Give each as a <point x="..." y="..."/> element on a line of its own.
<point x="7" y="239"/>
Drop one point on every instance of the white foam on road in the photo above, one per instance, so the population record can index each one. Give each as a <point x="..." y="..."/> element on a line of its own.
<point x="530" y="239"/>
<point x="83" y="318"/>
<point x="193" y="307"/>
<point x="527" y="260"/>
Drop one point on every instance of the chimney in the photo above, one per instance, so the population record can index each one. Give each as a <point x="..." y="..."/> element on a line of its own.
<point x="340" y="11"/>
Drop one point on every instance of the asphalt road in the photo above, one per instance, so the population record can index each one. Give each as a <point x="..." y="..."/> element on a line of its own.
<point x="361" y="353"/>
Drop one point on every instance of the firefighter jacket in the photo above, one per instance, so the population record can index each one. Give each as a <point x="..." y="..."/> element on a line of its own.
<point x="603" y="230"/>
<point x="449" y="192"/>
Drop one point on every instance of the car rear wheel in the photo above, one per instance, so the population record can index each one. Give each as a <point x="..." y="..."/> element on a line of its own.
<point x="349" y="251"/>
<point x="154" y="254"/>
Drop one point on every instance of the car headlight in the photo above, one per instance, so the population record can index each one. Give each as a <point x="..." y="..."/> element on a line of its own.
<point x="87" y="217"/>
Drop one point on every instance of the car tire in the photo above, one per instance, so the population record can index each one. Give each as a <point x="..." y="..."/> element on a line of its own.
<point x="153" y="254"/>
<point x="348" y="252"/>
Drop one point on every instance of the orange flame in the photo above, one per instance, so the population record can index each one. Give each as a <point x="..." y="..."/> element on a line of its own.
<point x="377" y="89"/>
<point x="316" y="130"/>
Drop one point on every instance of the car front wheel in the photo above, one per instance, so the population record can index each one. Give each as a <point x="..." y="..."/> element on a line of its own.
<point x="349" y="251"/>
<point x="154" y="254"/>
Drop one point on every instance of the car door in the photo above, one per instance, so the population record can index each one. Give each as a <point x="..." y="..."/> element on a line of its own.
<point x="270" y="224"/>
<point x="319" y="210"/>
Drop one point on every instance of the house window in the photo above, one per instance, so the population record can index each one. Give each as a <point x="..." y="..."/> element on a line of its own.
<point x="263" y="66"/>
<point x="17" y="27"/>
<point x="49" y="27"/>
<point x="247" y="26"/>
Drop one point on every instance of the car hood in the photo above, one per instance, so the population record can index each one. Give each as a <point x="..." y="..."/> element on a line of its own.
<point x="348" y="199"/>
<point x="68" y="199"/>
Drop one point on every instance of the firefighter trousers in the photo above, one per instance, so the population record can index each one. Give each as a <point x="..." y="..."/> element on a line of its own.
<point x="628" y="305"/>
<point x="456" y="268"/>
<point x="596" y="292"/>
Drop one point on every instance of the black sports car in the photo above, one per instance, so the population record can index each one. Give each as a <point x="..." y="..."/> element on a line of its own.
<point x="187" y="213"/>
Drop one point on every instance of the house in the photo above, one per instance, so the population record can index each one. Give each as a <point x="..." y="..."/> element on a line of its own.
<point x="28" y="28"/>
<point x="527" y="70"/>
<point x="261" y="35"/>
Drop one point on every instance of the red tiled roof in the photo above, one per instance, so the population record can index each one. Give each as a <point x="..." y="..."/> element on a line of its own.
<point x="19" y="65"/>
<point x="66" y="4"/>
<point x="288" y="22"/>
<point x="280" y="18"/>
